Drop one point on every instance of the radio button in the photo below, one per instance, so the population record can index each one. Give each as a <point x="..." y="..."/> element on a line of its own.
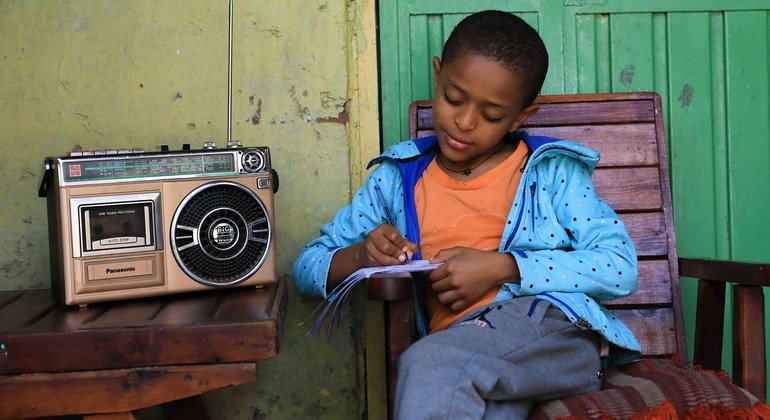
<point x="120" y="240"/>
<point x="263" y="183"/>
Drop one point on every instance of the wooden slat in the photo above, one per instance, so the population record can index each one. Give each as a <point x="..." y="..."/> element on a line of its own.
<point x="139" y="347"/>
<point x="575" y="113"/>
<point x="425" y="133"/>
<point x="126" y="314"/>
<point x="620" y="144"/>
<point x="629" y="188"/>
<point x="654" y="287"/>
<point x="425" y="118"/>
<point x="113" y="390"/>
<point x="181" y="311"/>
<point x="581" y="113"/>
<point x="237" y="306"/>
<point x="25" y="308"/>
<point x="64" y="318"/>
<point x="653" y="328"/>
<point x="648" y="231"/>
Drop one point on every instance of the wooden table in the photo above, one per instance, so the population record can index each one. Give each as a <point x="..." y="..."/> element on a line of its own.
<point x="112" y="358"/>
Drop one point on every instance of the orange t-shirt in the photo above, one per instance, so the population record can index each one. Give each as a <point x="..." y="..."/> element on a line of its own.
<point x="470" y="214"/>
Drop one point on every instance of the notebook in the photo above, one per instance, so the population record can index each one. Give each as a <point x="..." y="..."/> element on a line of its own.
<point x="333" y="302"/>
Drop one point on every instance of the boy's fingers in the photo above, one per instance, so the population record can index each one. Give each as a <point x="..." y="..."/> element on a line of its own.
<point x="402" y="245"/>
<point x="448" y="254"/>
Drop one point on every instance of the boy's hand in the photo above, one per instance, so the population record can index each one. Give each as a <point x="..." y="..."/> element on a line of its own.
<point x="385" y="246"/>
<point x="382" y="246"/>
<point x="468" y="273"/>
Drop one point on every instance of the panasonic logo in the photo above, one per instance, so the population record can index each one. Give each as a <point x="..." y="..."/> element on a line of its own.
<point x="120" y="270"/>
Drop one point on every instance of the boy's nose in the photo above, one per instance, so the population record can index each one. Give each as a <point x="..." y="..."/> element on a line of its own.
<point x="465" y="120"/>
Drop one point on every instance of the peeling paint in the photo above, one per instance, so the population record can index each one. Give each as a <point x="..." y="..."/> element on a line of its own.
<point x="302" y="111"/>
<point x="257" y="116"/>
<point x="273" y="31"/>
<point x="627" y="75"/>
<point x="342" y="118"/>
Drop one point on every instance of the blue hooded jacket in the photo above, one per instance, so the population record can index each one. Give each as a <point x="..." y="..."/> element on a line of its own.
<point x="572" y="249"/>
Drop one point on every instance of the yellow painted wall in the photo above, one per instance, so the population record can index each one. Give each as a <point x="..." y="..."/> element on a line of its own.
<point x="99" y="74"/>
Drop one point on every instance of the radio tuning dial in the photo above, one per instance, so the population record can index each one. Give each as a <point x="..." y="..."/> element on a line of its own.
<point x="253" y="161"/>
<point x="209" y="145"/>
<point x="233" y="144"/>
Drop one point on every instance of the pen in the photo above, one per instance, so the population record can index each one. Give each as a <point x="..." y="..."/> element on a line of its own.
<point x="384" y="205"/>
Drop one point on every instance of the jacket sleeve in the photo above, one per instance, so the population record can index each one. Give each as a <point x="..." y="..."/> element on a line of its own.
<point x="351" y="224"/>
<point x="591" y="251"/>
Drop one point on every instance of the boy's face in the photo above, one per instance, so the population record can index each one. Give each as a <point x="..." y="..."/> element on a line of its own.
<point x="477" y="101"/>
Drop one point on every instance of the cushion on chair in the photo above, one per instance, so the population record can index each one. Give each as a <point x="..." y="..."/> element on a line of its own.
<point x="658" y="389"/>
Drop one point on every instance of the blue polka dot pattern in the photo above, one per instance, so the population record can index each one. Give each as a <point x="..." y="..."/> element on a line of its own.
<point x="570" y="246"/>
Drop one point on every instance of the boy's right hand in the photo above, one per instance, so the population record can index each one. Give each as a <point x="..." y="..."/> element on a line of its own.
<point x="385" y="246"/>
<point x="382" y="246"/>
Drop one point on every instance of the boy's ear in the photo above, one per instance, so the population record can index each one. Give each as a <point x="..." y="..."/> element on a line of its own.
<point x="524" y="114"/>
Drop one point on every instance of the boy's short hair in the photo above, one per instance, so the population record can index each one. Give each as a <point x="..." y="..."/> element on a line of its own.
<point x="507" y="39"/>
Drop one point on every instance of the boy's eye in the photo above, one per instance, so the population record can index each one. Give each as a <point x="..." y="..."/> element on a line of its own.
<point x="450" y="100"/>
<point x="492" y="119"/>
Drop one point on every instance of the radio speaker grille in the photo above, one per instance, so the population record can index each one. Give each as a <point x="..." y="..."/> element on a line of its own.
<point x="220" y="234"/>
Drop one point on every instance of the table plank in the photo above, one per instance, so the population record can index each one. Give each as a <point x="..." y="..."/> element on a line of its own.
<point x="110" y="391"/>
<point x="220" y="326"/>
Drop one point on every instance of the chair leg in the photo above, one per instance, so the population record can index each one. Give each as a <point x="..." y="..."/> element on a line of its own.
<point x="709" y="324"/>
<point x="400" y="335"/>
<point x="749" y="362"/>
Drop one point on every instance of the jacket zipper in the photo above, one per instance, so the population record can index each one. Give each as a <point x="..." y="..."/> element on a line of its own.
<point x="532" y="189"/>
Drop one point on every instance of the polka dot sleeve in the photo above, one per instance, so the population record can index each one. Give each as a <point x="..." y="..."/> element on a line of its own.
<point x="350" y="225"/>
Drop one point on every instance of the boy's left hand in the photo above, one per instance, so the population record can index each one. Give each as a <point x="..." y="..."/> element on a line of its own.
<point x="468" y="273"/>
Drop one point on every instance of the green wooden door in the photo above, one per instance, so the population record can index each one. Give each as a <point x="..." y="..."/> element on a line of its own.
<point x="708" y="59"/>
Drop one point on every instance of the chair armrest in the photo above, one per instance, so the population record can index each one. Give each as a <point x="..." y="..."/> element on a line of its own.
<point x="748" y="274"/>
<point x="390" y="289"/>
<point x="748" y="329"/>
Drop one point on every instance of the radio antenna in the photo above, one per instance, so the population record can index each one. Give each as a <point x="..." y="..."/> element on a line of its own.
<point x="230" y="76"/>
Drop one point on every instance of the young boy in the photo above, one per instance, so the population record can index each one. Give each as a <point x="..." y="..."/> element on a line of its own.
<point x="526" y="244"/>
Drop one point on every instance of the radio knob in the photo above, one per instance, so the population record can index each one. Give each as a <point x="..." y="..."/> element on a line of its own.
<point x="253" y="161"/>
<point x="209" y="145"/>
<point x="233" y="144"/>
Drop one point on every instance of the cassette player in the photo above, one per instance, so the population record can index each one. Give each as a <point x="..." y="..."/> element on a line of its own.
<point x="127" y="223"/>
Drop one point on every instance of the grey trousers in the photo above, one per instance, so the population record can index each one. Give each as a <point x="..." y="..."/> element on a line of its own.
<point x="497" y="363"/>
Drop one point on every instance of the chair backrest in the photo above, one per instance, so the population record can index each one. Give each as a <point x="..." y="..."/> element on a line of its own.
<point x="633" y="177"/>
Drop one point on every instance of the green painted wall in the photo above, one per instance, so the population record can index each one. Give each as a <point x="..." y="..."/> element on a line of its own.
<point x="98" y="74"/>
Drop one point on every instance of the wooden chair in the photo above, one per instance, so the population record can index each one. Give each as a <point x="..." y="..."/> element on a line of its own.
<point x="633" y="177"/>
<point x="109" y="359"/>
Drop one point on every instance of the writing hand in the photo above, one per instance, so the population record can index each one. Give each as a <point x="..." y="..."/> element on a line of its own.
<point x="385" y="246"/>
<point x="467" y="274"/>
